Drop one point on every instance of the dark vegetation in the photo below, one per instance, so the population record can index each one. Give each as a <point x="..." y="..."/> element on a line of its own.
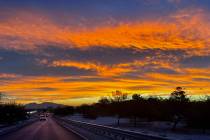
<point x="11" y="113"/>
<point x="177" y="108"/>
<point x="63" y="111"/>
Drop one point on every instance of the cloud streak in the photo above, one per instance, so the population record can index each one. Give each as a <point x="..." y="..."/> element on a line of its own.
<point x="185" y="30"/>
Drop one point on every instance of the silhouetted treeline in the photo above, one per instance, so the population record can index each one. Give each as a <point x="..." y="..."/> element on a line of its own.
<point x="62" y="111"/>
<point x="10" y="113"/>
<point x="177" y="108"/>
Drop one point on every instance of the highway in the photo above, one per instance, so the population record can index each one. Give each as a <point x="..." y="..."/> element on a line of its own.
<point x="42" y="130"/>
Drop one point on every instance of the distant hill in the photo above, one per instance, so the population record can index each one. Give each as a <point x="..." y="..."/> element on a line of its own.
<point x="44" y="105"/>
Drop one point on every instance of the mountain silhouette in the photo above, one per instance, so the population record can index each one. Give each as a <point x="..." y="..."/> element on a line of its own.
<point x="43" y="105"/>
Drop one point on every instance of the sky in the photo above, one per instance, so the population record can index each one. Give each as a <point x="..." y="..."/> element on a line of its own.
<point x="76" y="51"/>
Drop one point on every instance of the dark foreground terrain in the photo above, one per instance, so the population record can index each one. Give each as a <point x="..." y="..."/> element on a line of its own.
<point x="42" y="130"/>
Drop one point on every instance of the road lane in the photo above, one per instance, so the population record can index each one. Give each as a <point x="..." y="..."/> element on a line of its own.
<point x="42" y="130"/>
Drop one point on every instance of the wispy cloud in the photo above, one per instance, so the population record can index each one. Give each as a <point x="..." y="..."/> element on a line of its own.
<point x="185" y="30"/>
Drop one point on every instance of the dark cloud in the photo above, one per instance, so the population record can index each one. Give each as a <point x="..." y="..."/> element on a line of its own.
<point x="30" y="63"/>
<point x="202" y="79"/>
<point x="104" y="55"/>
<point x="110" y="56"/>
<point x="87" y="79"/>
<point x="23" y="63"/>
<point x="165" y="71"/>
<point x="94" y="12"/>
<point x="196" y="62"/>
<point x="45" y="89"/>
<point x="87" y="89"/>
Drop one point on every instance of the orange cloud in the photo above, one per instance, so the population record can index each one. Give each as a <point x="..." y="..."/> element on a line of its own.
<point x="185" y="30"/>
<point x="29" y="88"/>
<point x="102" y="70"/>
<point x="5" y="75"/>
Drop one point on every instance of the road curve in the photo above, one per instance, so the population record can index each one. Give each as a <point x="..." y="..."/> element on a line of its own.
<point x="42" y="130"/>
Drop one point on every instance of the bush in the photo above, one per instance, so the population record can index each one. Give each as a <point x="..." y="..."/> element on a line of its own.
<point x="63" y="111"/>
<point x="11" y="113"/>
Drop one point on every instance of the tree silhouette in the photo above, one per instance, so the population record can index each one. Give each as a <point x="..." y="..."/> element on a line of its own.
<point x="178" y="99"/>
<point x="179" y="95"/>
<point x="137" y="97"/>
<point x="118" y="98"/>
<point x="104" y="101"/>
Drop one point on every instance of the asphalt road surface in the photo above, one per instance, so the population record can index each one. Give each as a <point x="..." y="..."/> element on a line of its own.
<point x="42" y="130"/>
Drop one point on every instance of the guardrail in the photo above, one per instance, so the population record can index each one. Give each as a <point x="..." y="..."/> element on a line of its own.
<point x="9" y="129"/>
<point x="112" y="133"/>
